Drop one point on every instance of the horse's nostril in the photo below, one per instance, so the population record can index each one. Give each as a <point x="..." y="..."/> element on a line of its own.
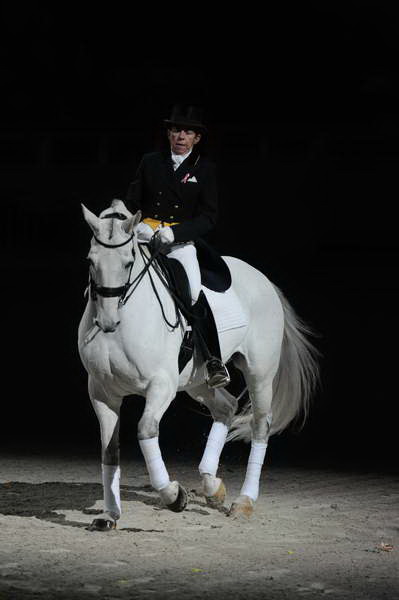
<point x="110" y="328"/>
<point x="107" y="328"/>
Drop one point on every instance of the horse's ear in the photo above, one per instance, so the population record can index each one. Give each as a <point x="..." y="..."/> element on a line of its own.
<point x="131" y="223"/>
<point x="91" y="219"/>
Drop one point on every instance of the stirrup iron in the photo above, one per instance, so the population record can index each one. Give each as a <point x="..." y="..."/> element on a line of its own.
<point x="216" y="373"/>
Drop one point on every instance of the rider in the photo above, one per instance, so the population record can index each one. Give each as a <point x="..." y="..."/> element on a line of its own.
<point x="177" y="193"/>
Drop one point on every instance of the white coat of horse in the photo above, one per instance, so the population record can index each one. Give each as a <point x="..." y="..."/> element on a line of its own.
<point x="128" y="348"/>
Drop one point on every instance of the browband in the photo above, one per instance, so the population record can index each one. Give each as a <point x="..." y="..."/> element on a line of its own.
<point x="114" y="245"/>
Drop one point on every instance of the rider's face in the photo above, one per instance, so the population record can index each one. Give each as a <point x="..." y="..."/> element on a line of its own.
<point x="182" y="140"/>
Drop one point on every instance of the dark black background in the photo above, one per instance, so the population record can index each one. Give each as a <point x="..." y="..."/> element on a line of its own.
<point x="302" y="104"/>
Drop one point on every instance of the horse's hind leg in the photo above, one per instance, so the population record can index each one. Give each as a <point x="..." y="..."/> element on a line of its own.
<point x="222" y="407"/>
<point x="261" y="394"/>
<point x="108" y="414"/>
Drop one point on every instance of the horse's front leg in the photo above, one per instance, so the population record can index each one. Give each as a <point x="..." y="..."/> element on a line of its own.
<point x="159" y="395"/>
<point x="108" y="413"/>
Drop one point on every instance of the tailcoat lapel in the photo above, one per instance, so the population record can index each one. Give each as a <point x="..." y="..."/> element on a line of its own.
<point x="170" y="173"/>
<point x="189" y="165"/>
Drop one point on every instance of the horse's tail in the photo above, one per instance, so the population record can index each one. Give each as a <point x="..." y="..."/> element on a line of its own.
<point x="294" y="383"/>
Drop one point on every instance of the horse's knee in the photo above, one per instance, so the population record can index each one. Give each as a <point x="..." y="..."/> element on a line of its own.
<point x="159" y="395"/>
<point x="148" y="427"/>
<point x="110" y="449"/>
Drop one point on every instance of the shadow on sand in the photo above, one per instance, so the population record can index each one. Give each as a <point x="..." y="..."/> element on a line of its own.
<point x="46" y="500"/>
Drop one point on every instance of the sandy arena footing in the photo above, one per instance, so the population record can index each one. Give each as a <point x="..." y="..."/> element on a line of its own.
<point x="315" y="533"/>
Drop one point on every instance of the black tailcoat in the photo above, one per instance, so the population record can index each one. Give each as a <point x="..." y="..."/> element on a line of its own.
<point x="167" y="195"/>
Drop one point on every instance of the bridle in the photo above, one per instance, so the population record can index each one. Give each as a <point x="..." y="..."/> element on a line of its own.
<point x="112" y="292"/>
<point x="124" y="292"/>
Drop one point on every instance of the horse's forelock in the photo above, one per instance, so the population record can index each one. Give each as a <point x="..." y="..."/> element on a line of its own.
<point x="111" y="233"/>
<point x="112" y="221"/>
<point x="111" y="229"/>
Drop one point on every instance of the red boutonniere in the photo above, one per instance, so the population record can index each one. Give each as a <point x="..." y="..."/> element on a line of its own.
<point x="185" y="178"/>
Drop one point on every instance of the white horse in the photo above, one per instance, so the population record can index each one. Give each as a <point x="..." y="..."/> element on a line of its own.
<point x="128" y="348"/>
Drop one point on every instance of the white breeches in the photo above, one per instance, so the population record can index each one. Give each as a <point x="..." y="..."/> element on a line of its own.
<point x="186" y="254"/>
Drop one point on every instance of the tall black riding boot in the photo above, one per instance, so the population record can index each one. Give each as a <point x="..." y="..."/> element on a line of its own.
<point x="207" y="340"/>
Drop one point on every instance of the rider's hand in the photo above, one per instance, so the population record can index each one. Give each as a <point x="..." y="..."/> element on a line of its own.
<point x="165" y="235"/>
<point x="162" y="238"/>
<point x="144" y="232"/>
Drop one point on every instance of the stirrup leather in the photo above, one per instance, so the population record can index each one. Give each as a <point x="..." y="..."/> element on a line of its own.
<point x="216" y="374"/>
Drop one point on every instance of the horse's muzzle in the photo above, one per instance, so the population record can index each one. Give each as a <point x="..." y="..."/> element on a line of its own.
<point x="107" y="327"/>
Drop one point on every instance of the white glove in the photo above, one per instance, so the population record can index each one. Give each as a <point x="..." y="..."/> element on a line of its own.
<point x="166" y="235"/>
<point x="144" y="232"/>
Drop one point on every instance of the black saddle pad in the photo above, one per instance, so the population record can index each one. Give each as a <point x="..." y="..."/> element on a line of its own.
<point x="215" y="274"/>
<point x="180" y="285"/>
<point x="177" y="277"/>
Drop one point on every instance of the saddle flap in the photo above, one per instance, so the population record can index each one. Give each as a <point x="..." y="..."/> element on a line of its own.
<point x="215" y="274"/>
<point x="178" y="277"/>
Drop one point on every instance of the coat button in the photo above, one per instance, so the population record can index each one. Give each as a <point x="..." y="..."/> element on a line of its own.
<point x="159" y="193"/>
<point x="158" y="204"/>
<point x="171" y="217"/>
<point x="155" y="216"/>
<point x="176" y="206"/>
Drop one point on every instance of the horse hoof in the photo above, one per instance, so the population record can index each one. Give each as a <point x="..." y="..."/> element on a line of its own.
<point x="218" y="497"/>
<point x="181" y="501"/>
<point x="102" y="525"/>
<point x="242" y="508"/>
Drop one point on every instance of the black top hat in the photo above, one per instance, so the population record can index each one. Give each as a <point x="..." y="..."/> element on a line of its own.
<point x="189" y="116"/>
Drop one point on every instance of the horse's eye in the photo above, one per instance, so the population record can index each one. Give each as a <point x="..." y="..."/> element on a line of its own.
<point x="128" y="265"/>
<point x="89" y="260"/>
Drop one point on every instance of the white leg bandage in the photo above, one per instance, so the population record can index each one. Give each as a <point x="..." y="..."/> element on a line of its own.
<point x="155" y="466"/>
<point x="214" y="446"/>
<point x="112" y="500"/>
<point x="255" y="462"/>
